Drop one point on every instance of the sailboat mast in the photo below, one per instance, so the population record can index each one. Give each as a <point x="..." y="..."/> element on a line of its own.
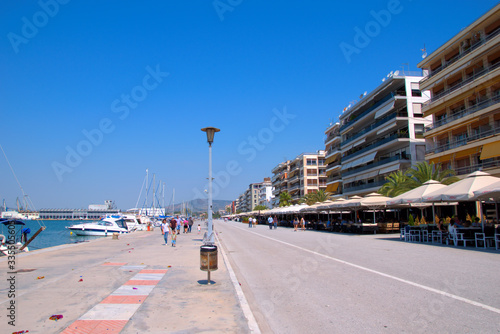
<point x="154" y="194"/>
<point x="147" y="190"/>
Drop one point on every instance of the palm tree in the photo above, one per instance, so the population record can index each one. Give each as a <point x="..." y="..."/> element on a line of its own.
<point x="423" y="172"/>
<point x="260" y="208"/>
<point x="317" y="196"/>
<point x="397" y="184"/>
<point x="285" y="199"/>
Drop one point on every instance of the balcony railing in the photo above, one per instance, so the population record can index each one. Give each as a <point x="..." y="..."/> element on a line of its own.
<point x="367" y="111"/>
<point x="463" y="83"/>
<point x="463" y="141"/>
<point x="374" y="125"/>
<point x="473" y="168"/>
<point x="474" y="46"/>
<point x="377" y="143"/>
<point x="331" y="136"/>
<point x="365" y="186"/>
<point x="376" y="164"/>
<point x="467" y="111"/>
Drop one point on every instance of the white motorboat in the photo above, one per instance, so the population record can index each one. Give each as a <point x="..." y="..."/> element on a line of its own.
<point x="134" y="224"/>
<point x="104" y="227"/>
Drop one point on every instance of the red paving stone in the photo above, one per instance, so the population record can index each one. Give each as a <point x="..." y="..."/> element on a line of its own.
<point x="95" y="327"/>
<point x="114" y="263"/>
<point x="142" y="282"/>
<point x="153" y="271"/>
<point x="124" y="299"/>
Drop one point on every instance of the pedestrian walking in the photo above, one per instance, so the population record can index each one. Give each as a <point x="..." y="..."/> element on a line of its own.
<point x="275" y="221"/>
<point x="165" y="230"/>
<point x="250" y="221"/>
<point x="270" y="221"/>
<point x="186" y="224"/>
<point x="178" y="226"/>
<point x="174" y="239"/>
<point x="295" y="223"/>
<point x="303" y="224"/>
<point x="191" y="222"/>
<point x="199" y="228"/>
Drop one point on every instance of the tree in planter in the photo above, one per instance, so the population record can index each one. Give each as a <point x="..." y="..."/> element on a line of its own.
<point x="411" y="221"/>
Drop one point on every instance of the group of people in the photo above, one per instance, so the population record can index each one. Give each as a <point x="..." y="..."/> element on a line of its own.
<point x="296" y="223"/>
<point x="272" y="222"/>
<point x="173" y="227"/>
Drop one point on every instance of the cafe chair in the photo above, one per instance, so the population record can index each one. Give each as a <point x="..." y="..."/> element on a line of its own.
<point x="425" y="236"/>
<point x="482" y="237"/>
<point x="459" y="237"/>
<point x="402" y="234"/>
<point x="414" y="235"/>
<point x="497" y="241"/>
<point x="437" y="236"/>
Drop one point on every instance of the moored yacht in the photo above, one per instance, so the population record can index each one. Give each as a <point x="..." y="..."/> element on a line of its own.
<point x="104" y="227"/>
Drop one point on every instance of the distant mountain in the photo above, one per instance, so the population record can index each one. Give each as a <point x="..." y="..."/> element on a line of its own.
<point x="200" y="205"/>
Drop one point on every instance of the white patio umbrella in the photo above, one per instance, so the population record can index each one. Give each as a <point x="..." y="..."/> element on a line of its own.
<point x="463" y="190"/>
<point x="490" y="192"/>
<point x="415" y="196"/>
<point x="374" y="201"/>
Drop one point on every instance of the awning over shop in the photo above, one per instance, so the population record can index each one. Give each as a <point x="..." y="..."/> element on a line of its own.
<point x="490" y="150"/>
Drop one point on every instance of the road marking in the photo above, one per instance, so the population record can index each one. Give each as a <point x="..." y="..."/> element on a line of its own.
<point x="440" y="292"/>
<point x="252" y="323"/>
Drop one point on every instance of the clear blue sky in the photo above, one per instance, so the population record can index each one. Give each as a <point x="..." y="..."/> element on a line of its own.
<point x="101" y="67"/>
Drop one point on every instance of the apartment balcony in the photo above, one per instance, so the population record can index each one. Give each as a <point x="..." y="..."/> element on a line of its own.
<point x="332" y="138"/>
<point x="461" y="84"/>
<point x="294" y="179"/>
<point x="295" y="187"/>
<point x="465" y="112"/>
<point x="483" y="40"/>
<point x="374" y="126"/>
<point x="484" y="166"/>
<point x="366" y="112"/>
<point x="375" y="144"/>
<point x="365" y="186"/>
<point x="332" y="179"/>
<point x="463" y="141"/>
<point x="381" y="162"/>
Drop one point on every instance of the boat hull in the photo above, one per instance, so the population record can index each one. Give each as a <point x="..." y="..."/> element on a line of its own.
<point x="94" y="232"/>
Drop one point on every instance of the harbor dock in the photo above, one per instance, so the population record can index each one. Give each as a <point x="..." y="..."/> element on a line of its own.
<point x="134" y="284"/>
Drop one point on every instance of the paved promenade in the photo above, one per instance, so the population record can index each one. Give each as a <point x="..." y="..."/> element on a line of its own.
<point x="131" y="285"/>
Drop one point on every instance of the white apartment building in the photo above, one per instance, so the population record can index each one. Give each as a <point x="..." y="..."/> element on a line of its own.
<point x="266" y="193"/>
<point x="382" y="133"/>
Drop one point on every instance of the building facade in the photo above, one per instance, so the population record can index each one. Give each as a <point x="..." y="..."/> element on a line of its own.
<point x="307" y="174"/>
<point x="266" y="193"/>
<point x="333" y="159"/>
<point x="382" y="133"/>
<point x="463" y="76"/>
<point x="279" y="181"/>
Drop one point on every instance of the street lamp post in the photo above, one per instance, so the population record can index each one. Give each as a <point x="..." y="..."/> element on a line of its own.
<point x="210" y="139"/>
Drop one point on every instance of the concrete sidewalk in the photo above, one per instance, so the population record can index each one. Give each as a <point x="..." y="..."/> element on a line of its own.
<point x="131" y="285"/>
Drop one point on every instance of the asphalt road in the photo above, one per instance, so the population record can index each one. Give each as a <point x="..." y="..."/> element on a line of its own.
<point x="318" y="282"/>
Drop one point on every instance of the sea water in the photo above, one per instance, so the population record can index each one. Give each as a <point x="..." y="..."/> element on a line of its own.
<point x="55" y="233"/>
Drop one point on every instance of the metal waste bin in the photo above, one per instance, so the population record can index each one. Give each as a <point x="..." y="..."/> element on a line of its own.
<point x="208" y="258"/>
